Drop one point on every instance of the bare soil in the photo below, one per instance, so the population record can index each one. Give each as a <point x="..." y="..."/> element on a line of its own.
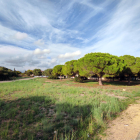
<point x="126" y="126"/>
<point x="119" y="97"/>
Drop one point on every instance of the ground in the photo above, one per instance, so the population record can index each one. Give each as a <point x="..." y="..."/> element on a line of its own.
<point x="18" y="78"/>
<point x="126" y="126"/>
<point x="62" y="109"/>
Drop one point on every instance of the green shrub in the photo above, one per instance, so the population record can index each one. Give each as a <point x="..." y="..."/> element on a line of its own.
<point x="52" y="77"/>
<point x="78" y="79"/>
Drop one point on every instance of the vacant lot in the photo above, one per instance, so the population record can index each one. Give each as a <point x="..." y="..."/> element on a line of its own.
<point x="54" y="109"/>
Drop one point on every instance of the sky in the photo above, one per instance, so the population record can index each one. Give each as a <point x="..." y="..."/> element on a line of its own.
<point x="45" y="33"/>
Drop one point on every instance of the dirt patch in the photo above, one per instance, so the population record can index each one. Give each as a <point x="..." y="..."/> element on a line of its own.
<point x="81" y="94"/>
<point x="49" y="81"/>
<point x="119" y="97"/>
<point x="126" y="126"/>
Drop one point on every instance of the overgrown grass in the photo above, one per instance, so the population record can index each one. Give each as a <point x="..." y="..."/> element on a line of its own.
<point x="36" y="110"/>
<point x="17" y="78"/>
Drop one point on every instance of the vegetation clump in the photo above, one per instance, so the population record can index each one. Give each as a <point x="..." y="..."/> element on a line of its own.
<point x="6" y="74"/>
<point x="37" y="72"/>
<point x="48" y="72"/>
<point x="36" y="109"/>
<point x="78" y="79"/>
<point x="52" y="77"/>
<point x="99" y="64"/>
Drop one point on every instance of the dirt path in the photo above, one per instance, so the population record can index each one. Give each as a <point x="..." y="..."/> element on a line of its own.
<point x="16" y="80"/>
<point x="126" y="126"/>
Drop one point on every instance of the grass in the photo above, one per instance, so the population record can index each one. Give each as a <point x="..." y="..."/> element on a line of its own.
<point x="17" y="78"/>
<point x="53" y="110"/>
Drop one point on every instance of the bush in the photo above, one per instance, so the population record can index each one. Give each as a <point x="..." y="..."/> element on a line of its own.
<point x="83" y="77"/>
<point x="52" y="77"/>
<point x="78" y="79"/>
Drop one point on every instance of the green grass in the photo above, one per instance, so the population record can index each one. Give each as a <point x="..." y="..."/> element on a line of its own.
<point x="36" y="110"/>
<point x="17" y="78"/>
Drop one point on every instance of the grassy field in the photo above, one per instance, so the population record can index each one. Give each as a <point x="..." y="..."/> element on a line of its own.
<point x="17" y="78"/>
<point x="42" y="109"/>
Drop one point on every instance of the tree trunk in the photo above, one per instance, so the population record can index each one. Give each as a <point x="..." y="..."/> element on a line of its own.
<point x="100" y="81"/>
<point x="60" y="77"/>
<point x="113" y="79"/>
<point x="129" y="79"/>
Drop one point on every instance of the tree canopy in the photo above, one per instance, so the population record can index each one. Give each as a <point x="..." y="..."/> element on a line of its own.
<point x="47" y="72"/>
<point x="97" y="64"/>
<point x="37" y="72"/>
<point x="130" y="66"/>
<point x="29" y="72"/>
<point x="57" y="70"/>
<point x="6" y="73"/>
<point x="68" y="68"/>
<point x="137" y="66"/>
<point x="100" y="64"/>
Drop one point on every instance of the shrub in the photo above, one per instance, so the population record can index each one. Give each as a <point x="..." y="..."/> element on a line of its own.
<point x="78" y="79"/>
<point x="83" y="77"/>
<point x="52" y="77"/>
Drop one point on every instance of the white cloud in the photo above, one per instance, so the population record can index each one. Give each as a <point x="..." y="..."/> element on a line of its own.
<point x="20" y="35"/>
<point x="53" y="60"/>
<point x="11" y="56"/>
<point x="120" y="35"/>
<point x="70" y="55"/>
<point x="39" y="42"/>
<point x="49" y="63"/>
<point x="10" y="36"/>
<point x="39" y="51"/>
<point x="10" y="51"/>
<point x="109" y="26"/>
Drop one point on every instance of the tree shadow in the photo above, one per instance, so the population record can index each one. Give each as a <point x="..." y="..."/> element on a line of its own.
<point x="21" y="118"/>
<point x="121" y="83"/>
<point x="115" y="83"/>
<point x="89" y="81"/>
<point x="39" y="117"/>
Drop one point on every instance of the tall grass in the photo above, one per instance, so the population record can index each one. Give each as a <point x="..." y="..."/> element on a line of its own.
<point x="37" y="110"/>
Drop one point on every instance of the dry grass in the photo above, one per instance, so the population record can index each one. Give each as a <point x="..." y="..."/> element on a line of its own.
<point x="37" y="108"/>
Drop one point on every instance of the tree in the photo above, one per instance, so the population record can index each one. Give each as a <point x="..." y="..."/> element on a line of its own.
<point x="131" y="67"/>
<point x="57" y="70"/>
<point x="29" y="72"/>
<point x="68" y="68"/>
<point x="37" y="72"/>
<point x="6" y="73"/>
<point x="18" y="72"/>
<point x="100" y="64"/>
<point x="137" y="66"/>
<point x="48" y="72"/>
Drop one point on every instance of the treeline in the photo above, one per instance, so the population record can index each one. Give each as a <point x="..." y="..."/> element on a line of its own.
<point x="38" y="72"/>
<point x="6" y="74"/>
<point x="92" y="64"/>
<point x="101" y="65"/>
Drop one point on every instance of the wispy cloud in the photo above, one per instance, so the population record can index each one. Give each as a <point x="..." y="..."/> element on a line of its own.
<point x="70" y="55"/>
<point x="46" y="33"/>
<point x="39" y="52"/>
<point x="20" y="35"/>
<point x="120" y="35"/>
<point x="39" y="42"/>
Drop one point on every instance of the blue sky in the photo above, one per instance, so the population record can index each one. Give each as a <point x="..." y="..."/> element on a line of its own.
<point x="44" y="33"/>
